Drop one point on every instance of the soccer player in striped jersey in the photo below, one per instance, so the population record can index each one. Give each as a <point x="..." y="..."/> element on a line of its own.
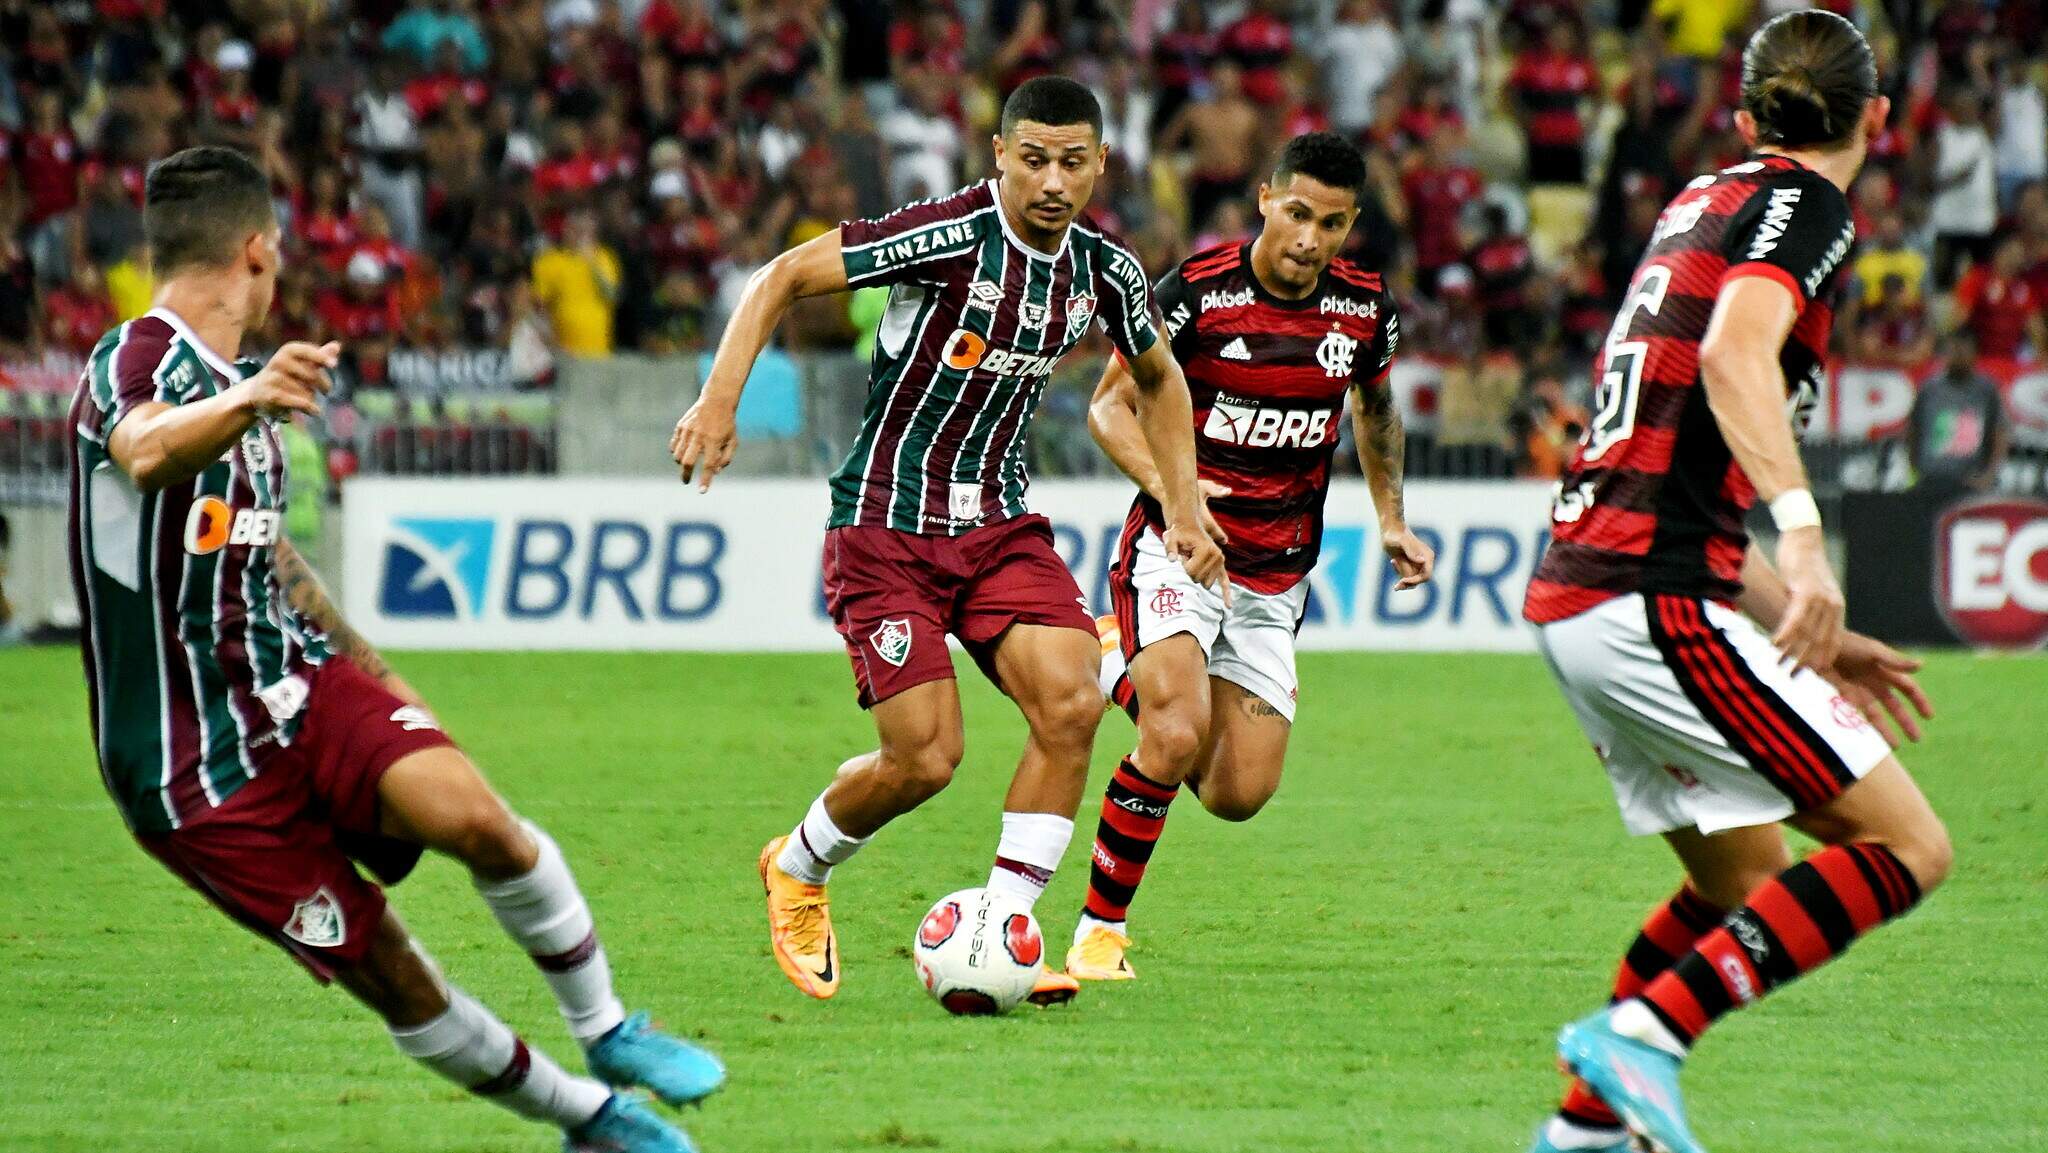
<point x="929" y="534"/>
<point x="1277" y="336"/>
<point x="255" y="744"/>
<point x="1722" y="695"/>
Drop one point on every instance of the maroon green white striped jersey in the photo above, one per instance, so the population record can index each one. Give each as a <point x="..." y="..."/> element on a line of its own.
<point x="196" y="667"/>
<point x="977" y="321"/>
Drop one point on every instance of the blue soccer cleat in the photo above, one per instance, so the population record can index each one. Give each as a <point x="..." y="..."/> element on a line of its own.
<point x="1638" y="1081"/>
<point x="636" y="1053"/>
<point x="626" y="1125"/>
<point x="1544" y="1143"/>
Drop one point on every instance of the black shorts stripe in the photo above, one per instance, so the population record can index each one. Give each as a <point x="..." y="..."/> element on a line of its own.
<point x="1705" y="696"/>
<point x="1821" y="750"/>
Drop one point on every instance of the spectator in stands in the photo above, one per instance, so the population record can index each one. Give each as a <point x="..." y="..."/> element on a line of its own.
<point x="1181" y="58"/>
<point x="388" y="138"/>
<point x="426" y="26"/>
<point x="2030" y="218"/>
<point x="1221" y="133"/>
<point x="1259" y="43"/>
<point x="363" y="313"/>
<point x="18" y="293"/>
<point x="1893" y="330"/>
<point x="2000" y="307"/>
<point x="229" y="116"/>
<point x="1956" y="436"/>
<point x="1360" y="53"/>
<point x="1546" y="426"/>
<point x="1885" y="254"/>
<point x="924" y="142"/>
<point x="1965" y="185"/>
<point x="1698" y="28"/>
<point x="1502" y="266"/>
<point x="577" y="283"/>
<point x="2022" y="122"/>
<point x="77" y="313"/>
<point x="48" y="159"/>
<point x="1437" y="189"/>
<point x="1549" y="86"/>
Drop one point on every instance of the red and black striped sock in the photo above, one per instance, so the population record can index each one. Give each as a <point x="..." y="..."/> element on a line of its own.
<point x="1133" y="816"/>
<point x="1668" y="934"/>
<point x="1795" y="923"/>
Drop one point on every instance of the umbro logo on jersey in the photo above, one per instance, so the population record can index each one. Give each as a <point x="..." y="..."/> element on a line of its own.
<point x="1238" y="299"/>
<point x="1366" y="309"/>
<point x="985" y="295"/>
<point x="1235" y="350"/>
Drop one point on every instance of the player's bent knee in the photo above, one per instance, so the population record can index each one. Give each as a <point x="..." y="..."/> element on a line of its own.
<point x="1169" y="740"/>
<point x="490" y="840"/>
<point x="1069" y="716"/>
<point x="923" y="771"/>
<point x="1928" y="854"/>
<point x="1234" y="804"/>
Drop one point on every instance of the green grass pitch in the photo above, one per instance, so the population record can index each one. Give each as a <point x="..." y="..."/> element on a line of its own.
<point x="1378" y="962"/>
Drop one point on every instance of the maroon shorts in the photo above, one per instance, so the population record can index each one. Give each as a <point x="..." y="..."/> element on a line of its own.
<point x="280" y="854"/>
<point x="895" y="595"/>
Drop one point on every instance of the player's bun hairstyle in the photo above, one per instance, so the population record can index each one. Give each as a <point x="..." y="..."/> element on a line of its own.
<point x="1806" y="77"/>
<point x="1052" y="101"/>
<point x="1324" y="157"/>
<point x="200" y="205"/>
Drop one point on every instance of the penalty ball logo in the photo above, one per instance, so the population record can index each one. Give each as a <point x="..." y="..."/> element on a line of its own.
<point x="939" y="925"/>
<point x="1021" y="938"/>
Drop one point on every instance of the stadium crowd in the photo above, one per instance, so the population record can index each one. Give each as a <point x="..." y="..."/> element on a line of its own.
<point x="547" y="177"/>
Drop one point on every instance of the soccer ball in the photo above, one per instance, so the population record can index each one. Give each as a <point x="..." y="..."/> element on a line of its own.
<point x="978" y="952"/>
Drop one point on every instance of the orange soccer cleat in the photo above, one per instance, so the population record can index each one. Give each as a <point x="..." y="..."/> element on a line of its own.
<point x="800" y="928"/>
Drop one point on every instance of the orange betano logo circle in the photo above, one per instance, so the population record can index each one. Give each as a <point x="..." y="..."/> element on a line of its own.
<point x="965" y="349"/>
<point x="207" y="526"/>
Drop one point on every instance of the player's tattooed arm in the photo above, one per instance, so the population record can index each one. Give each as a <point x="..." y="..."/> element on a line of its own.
<point x="303" y="591"/>
<point x="1382" y="454"/>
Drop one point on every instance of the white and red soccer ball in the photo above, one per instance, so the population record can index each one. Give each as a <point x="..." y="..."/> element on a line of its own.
<point x="978" y="952"/>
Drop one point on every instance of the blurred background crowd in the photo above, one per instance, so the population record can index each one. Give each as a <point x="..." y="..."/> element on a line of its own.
<point x="490" y="186"/>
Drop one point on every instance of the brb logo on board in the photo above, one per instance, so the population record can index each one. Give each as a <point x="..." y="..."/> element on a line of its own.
<point x="1991" y="559"/>
<point x="436" y="568"/>
<point x="458" y="569"/>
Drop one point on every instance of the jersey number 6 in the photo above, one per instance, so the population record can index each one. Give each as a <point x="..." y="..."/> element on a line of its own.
<point x="1621" y="377"/>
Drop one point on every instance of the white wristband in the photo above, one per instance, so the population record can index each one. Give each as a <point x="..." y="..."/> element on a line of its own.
<point x="1795" y="509"/>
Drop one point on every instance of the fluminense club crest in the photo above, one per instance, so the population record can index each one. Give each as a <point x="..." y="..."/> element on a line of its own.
<point x="1080" y="309"/>
<point x="891" y="641"/>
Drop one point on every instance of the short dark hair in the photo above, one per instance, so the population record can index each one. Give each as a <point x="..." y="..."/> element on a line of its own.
<point x="1324" y="157"/>
<point x="1052" y="101"/>
<point x="1805" y="78"/>
<point x="200" y="204"/>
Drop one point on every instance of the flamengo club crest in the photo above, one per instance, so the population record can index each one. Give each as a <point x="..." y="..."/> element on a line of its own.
<point x="891" y="641"/>
<point x="1335" y="353"/>
<point x="1080" y="309"/>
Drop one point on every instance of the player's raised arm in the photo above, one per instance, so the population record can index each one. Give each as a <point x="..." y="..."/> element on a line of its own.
<point x="1382" y="443"/>
<point x="704" y="438"/>
<point x="1166" y="418"/>
<point x="158" y="443"/>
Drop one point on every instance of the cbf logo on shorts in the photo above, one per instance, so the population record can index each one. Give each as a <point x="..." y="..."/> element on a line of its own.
<point x="891" y="641"/>
<point x="436" y="568"/>
<point x="1991" y="580"/>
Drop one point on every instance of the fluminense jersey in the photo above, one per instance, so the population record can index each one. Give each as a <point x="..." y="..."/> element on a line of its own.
<point x="1268" y="379"/>
<point x="977" y="321"/>
<point x="195" y="666"/>
<point x="1653" y="501"/>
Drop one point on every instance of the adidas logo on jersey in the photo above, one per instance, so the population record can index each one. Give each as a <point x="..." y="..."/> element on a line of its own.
<point x="1238" y="299"/>
<point x="1236" y="350"/>
<point x="1366" y="309"/>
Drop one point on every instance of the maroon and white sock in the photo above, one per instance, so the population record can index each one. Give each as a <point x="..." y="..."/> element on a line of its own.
<point x="1795" y="923"/>
<point x="468" y="1045"/>
<point x="1029" y="853"/>
<point x="546" y="914"/>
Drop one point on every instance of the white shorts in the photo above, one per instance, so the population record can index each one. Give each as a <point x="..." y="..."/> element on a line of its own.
<point x="1697" y="718"/>
<point x="1250" y="644"/>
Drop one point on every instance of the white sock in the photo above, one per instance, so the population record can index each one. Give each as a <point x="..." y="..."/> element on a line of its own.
<point x="545" y="913"/>
<point x="1632" y="1018"/>
<point x="1569" y="1135"/>
<point x="815" y="845"/>
<point x="474" y="1049"/>
<point x="1088" y="924"/>
<point x="1113" y="669"/>
<point x="1029" y="853"/>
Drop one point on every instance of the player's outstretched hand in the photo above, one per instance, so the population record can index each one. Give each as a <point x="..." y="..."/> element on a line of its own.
<point x="1878" y="679"/>
<point x="1210" y="488"/>
<point x="1810" y="633"/>
<point x="1414" y="561"/>
<point x="703" y="442"/>
<point x="294" y="380"/>
<point x="1198" y="553"/>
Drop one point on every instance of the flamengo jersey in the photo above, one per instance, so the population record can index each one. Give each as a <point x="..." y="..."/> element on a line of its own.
<point x="196" y="668"/>
<point x="1653" y="501"/>
<point x="1268" y="379"/>
<point x="977" y="321"/>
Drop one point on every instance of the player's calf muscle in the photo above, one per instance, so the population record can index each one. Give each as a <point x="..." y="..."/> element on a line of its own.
<point x="394" y="980"/>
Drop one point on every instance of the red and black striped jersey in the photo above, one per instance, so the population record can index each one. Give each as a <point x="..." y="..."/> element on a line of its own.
<point x="1653" y="501"/>
<point x="1268" y="378"/>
